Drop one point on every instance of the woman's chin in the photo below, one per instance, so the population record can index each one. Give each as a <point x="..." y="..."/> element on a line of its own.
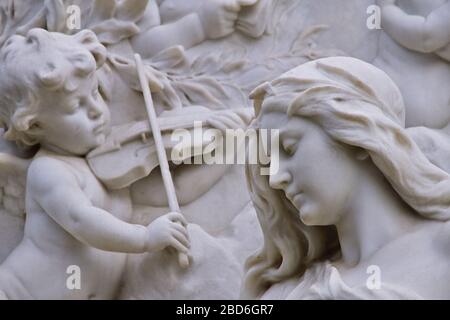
<point x="307" y="217"/>
<point x="311" y="217"/>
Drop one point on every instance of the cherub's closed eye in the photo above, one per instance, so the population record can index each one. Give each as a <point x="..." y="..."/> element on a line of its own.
<point x="75" y="105"/>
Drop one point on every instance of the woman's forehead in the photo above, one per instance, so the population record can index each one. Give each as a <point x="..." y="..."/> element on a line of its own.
<point x="272" y="120"/>
<point x="276" y="104"/>
<point x="283" y="123"/>
<point x="273" y="113"/>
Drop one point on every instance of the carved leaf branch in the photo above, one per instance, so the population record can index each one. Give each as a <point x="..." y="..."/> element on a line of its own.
<point x="111" y="20"/>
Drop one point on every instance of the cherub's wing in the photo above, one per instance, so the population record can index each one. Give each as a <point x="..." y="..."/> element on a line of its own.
<point x="13" y="172"/>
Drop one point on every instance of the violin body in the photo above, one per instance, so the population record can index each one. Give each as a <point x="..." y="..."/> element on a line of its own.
<point x="129" y="152"/>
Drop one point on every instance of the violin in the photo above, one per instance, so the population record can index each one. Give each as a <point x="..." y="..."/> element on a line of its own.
<point x="129" y="152"/>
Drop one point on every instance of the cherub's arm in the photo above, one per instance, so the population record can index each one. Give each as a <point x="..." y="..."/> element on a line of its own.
<point x="57" y="191"/>
<point x="213" y="19"/>
<point x="187" y="32"/>
<point x="423" y="34"/>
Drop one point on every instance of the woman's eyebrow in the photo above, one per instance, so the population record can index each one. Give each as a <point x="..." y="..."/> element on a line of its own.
<point x="286" y="133"/>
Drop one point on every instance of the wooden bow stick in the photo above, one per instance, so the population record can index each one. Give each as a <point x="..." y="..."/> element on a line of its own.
<point x="162" y="157"/>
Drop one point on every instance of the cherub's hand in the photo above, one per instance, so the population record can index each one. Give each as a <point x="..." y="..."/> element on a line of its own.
<point x="383" y="3"/>
<point x="168" y="231"/>
<point x="230" y="119"/>
<point x="218" y="17"/>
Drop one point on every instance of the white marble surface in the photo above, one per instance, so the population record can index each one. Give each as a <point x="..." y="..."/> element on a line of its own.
<point x="79" y="176"/>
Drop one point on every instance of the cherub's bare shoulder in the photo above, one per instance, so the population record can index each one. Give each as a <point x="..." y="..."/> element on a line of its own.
<point x="46" y="171"/>
<point x="47" y="163"/>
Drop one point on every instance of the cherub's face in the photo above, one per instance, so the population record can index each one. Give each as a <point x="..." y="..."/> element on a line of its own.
<point x="70" y="122"/>
<point x="316" y="176"/>
<point x="75" y="122"/>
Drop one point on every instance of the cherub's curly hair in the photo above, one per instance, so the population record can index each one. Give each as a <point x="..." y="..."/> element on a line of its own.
<point x="20" y="84"/>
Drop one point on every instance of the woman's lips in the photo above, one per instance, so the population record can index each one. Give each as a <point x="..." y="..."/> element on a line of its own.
<point x="99" y="129"/>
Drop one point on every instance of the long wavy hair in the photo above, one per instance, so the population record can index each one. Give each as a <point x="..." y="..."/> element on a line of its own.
<point x="357" y="105"/>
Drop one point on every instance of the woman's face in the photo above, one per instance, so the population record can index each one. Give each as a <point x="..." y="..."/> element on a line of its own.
<point x="316" y="175"/>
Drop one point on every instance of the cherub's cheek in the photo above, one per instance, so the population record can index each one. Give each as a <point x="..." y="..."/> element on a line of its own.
<point x="101" y="139"/>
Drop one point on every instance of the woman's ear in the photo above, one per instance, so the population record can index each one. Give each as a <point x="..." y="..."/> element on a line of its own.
<point x="35" y="129"/>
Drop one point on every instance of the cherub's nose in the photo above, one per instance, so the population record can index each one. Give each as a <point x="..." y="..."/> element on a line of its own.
<point x="280" y="180"/>
<point x="95" y="110"/>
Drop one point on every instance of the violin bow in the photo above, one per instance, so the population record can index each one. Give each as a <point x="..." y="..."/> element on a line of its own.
<point x="183" y="259"/>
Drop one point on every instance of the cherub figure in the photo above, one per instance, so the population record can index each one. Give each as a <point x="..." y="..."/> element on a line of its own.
<point x="414" y="51"/>
<point x="49" y="97"/>
<point x="176" y="22"/>
<point x="429" y="33"/>
<point x="151" y="25"/>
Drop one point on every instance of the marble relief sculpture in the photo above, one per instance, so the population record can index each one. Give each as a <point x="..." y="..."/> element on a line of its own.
<point x="65" y="202"/>
<point x="364" y="147"/>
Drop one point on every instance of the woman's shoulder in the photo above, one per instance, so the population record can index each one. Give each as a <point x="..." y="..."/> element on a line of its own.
<point x="434" y="235"/>
<point x="325" y="282"/>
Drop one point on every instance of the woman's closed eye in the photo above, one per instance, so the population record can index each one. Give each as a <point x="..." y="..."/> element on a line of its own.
<point x="289" y="146"/>
<point x="31" y="40"/>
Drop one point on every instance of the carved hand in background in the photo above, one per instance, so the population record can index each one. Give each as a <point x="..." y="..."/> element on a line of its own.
<point x="231" y="120"/>
<point x="427" y="34"/>
<point x="218" y="17"/>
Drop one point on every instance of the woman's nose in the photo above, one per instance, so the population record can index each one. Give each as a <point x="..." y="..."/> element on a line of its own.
<point x="280" y="180"/>
<point x="37" y="34"/>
